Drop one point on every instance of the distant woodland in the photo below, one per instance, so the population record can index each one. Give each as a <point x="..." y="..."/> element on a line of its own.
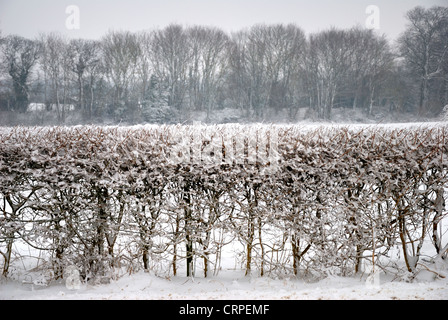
<point x="172" y="74"/>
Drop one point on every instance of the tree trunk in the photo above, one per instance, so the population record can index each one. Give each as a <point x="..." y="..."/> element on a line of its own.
<point x="189" y="250"/>
<point x="402" y="232"/>
<point x="101" y="230"/>
<point x="439" y="205"/>
<point x="372" y="93"/>
<point x="145" y="258"/>
<point x="249" y="245"/>
<point x="261" y="247"/>
<point x="176" y="236"/>
<point x="296" y="254"/>
<point x="7" y="256"/>
<point x="359" y="252"/>
<point x="188" y="232"/>
<point x="206" y="264"/>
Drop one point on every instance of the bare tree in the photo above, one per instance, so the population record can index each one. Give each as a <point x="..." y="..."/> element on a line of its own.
<point x="370" y="61"/>
<point x="170" y="56"/>
<point x="144" y="69"/>
<point x="327" y="66"/>
<point x="425" y="49"/>
<point x="206" y="69"/>
<point x="20" y="56"/>
<point x="84" y="58"/>
<point x="379" y="63"/>
<point x="55" y="64"/>
<point x="121" y="53"/>
<point x="264" y="64"/>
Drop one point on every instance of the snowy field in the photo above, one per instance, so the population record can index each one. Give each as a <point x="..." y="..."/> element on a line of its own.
<point x="430" y="283"/>
<point x="232" y="285"/>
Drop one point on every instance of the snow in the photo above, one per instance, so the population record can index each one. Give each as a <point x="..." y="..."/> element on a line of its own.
<point x="233" y="285"/>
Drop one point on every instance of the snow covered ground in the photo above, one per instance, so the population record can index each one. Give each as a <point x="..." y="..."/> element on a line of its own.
<point x="232" y="285"/>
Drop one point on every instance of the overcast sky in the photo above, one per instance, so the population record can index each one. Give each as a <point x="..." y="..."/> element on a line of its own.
<point x="27" y="18"/>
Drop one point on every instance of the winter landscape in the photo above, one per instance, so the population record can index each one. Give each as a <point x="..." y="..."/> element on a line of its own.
<point x="188" y="162"/>
<point x="225" y="212"/>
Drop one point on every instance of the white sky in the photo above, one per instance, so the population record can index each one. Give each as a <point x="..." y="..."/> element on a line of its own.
<point x="29" y="17"/>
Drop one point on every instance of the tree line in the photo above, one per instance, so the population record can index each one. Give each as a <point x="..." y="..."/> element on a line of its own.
<point x="162" y="75"/>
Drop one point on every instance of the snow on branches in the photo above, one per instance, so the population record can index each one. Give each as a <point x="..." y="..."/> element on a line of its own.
<point x="298" y="199"/>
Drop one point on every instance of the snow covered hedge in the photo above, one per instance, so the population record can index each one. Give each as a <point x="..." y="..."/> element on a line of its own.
<point x="298" y="200"/>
